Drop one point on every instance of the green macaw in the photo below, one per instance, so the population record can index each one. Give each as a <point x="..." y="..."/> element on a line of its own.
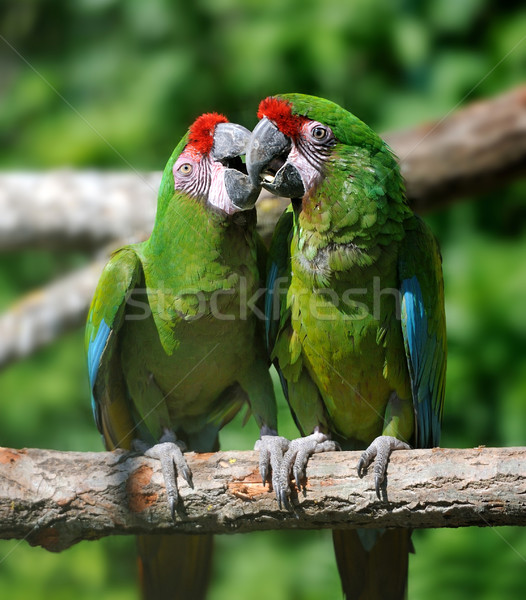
<point x="174" y="349"/>
<point x="355" y="308"/>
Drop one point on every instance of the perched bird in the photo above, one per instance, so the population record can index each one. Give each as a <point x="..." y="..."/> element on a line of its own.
<point x="355" y="309"/>
<point x="174" y="350"/>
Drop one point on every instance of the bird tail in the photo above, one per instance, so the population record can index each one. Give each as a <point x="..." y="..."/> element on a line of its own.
<point x="373" y="564"/>
<point x="174" y="567"/>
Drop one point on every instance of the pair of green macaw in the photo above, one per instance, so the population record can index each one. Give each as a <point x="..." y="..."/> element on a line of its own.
<point x="354" y="322"/>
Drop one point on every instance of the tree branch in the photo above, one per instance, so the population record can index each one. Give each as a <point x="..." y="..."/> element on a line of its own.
<point x="43" y="315"/>
<point x="473" y="150"/>
<point x="477" y="148"/>
<point x="64" y="208"/>
<point x="56" y="499"/>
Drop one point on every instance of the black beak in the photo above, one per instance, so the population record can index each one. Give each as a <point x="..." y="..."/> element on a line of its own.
<point x="267" y="154"/>
<point x="242" y="193"/>
<point x="230" y="142"/>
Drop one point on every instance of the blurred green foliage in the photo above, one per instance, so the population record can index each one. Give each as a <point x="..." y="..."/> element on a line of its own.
<point x="114" y="83"/>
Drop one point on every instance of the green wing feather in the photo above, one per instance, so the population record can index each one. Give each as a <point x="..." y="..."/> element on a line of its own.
<point x="106" y="314"/>
<point x="424" y="328"/>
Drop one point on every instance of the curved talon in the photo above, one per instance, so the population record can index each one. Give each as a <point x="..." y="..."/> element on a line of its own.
<point x="299" y="474"/>
<point x="263" y="470"/>
<point x="187" y="475"/>
<point x="377" y="483"/>
<point x="294" y="463"/>
<point x="361" y="468"/>
<point x="172" y="503"/>
<point x="283" y="500"/>
<point x="264" y="459"/>
<point x="379" y="450"/>
<point x="264" y="462"/>
<point x="169" y="451"/>
<point x="271" y="449"/>
<point x="366" y="459"/>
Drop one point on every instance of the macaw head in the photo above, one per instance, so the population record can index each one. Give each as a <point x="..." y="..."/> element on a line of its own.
<point x="207" y="165"/>
<point x="297" y="137"/>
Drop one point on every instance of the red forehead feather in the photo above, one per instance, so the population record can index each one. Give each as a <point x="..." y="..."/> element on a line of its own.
<point x="280" y="112"/>
<point x="201" y="135"/>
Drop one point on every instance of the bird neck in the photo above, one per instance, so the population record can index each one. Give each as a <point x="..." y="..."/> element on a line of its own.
<point x="357" y="208"/>
<point x="192" y="240"/>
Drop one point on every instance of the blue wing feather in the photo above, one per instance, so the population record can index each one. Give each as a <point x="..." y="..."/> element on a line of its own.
<point x="105" y="319"/>
<point x="423" y="327"/>
<point x="95" y="350"/>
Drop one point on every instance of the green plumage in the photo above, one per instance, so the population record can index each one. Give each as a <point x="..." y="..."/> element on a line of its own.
<point x="351" y="242"/>
<point x="172" y="345"/>
<point x="185" y="345"/>
<point x="359" y="338"/>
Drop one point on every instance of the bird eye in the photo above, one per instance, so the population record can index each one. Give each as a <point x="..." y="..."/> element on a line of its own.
<point x="185" y="169"/>
<point x="319" y="133"/>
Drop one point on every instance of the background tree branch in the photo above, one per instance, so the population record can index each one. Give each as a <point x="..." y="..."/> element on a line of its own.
<point x="475" y="149"/>
<point x="40" y="317"/>
<point x="65" y="208"/>
<point x="56" y="499"/>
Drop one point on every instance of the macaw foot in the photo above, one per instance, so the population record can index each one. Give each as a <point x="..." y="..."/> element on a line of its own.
<point x="295" y="461"/>
<point x="380" y="451"/>
<point x="271" y="449"/>
<point x="169" y="451"/>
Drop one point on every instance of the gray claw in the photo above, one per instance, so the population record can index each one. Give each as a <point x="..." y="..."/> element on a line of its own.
<point x="377" y="483"/>
<point x="299" y="474"/>
<point x="295" y="461"/>
<point x="362" y="468"/>
<point x="379" y="450"/>
<point x="172" y="503"/>
<point x="263" y="469"/>
<point x="187" y="475"/>
<point x="271" y="449"/>
<point x="283" y="500"/>
<point x="169" y="451"/>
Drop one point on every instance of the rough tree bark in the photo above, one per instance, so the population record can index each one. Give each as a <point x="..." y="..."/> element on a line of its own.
<point x="56" y="499"/>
